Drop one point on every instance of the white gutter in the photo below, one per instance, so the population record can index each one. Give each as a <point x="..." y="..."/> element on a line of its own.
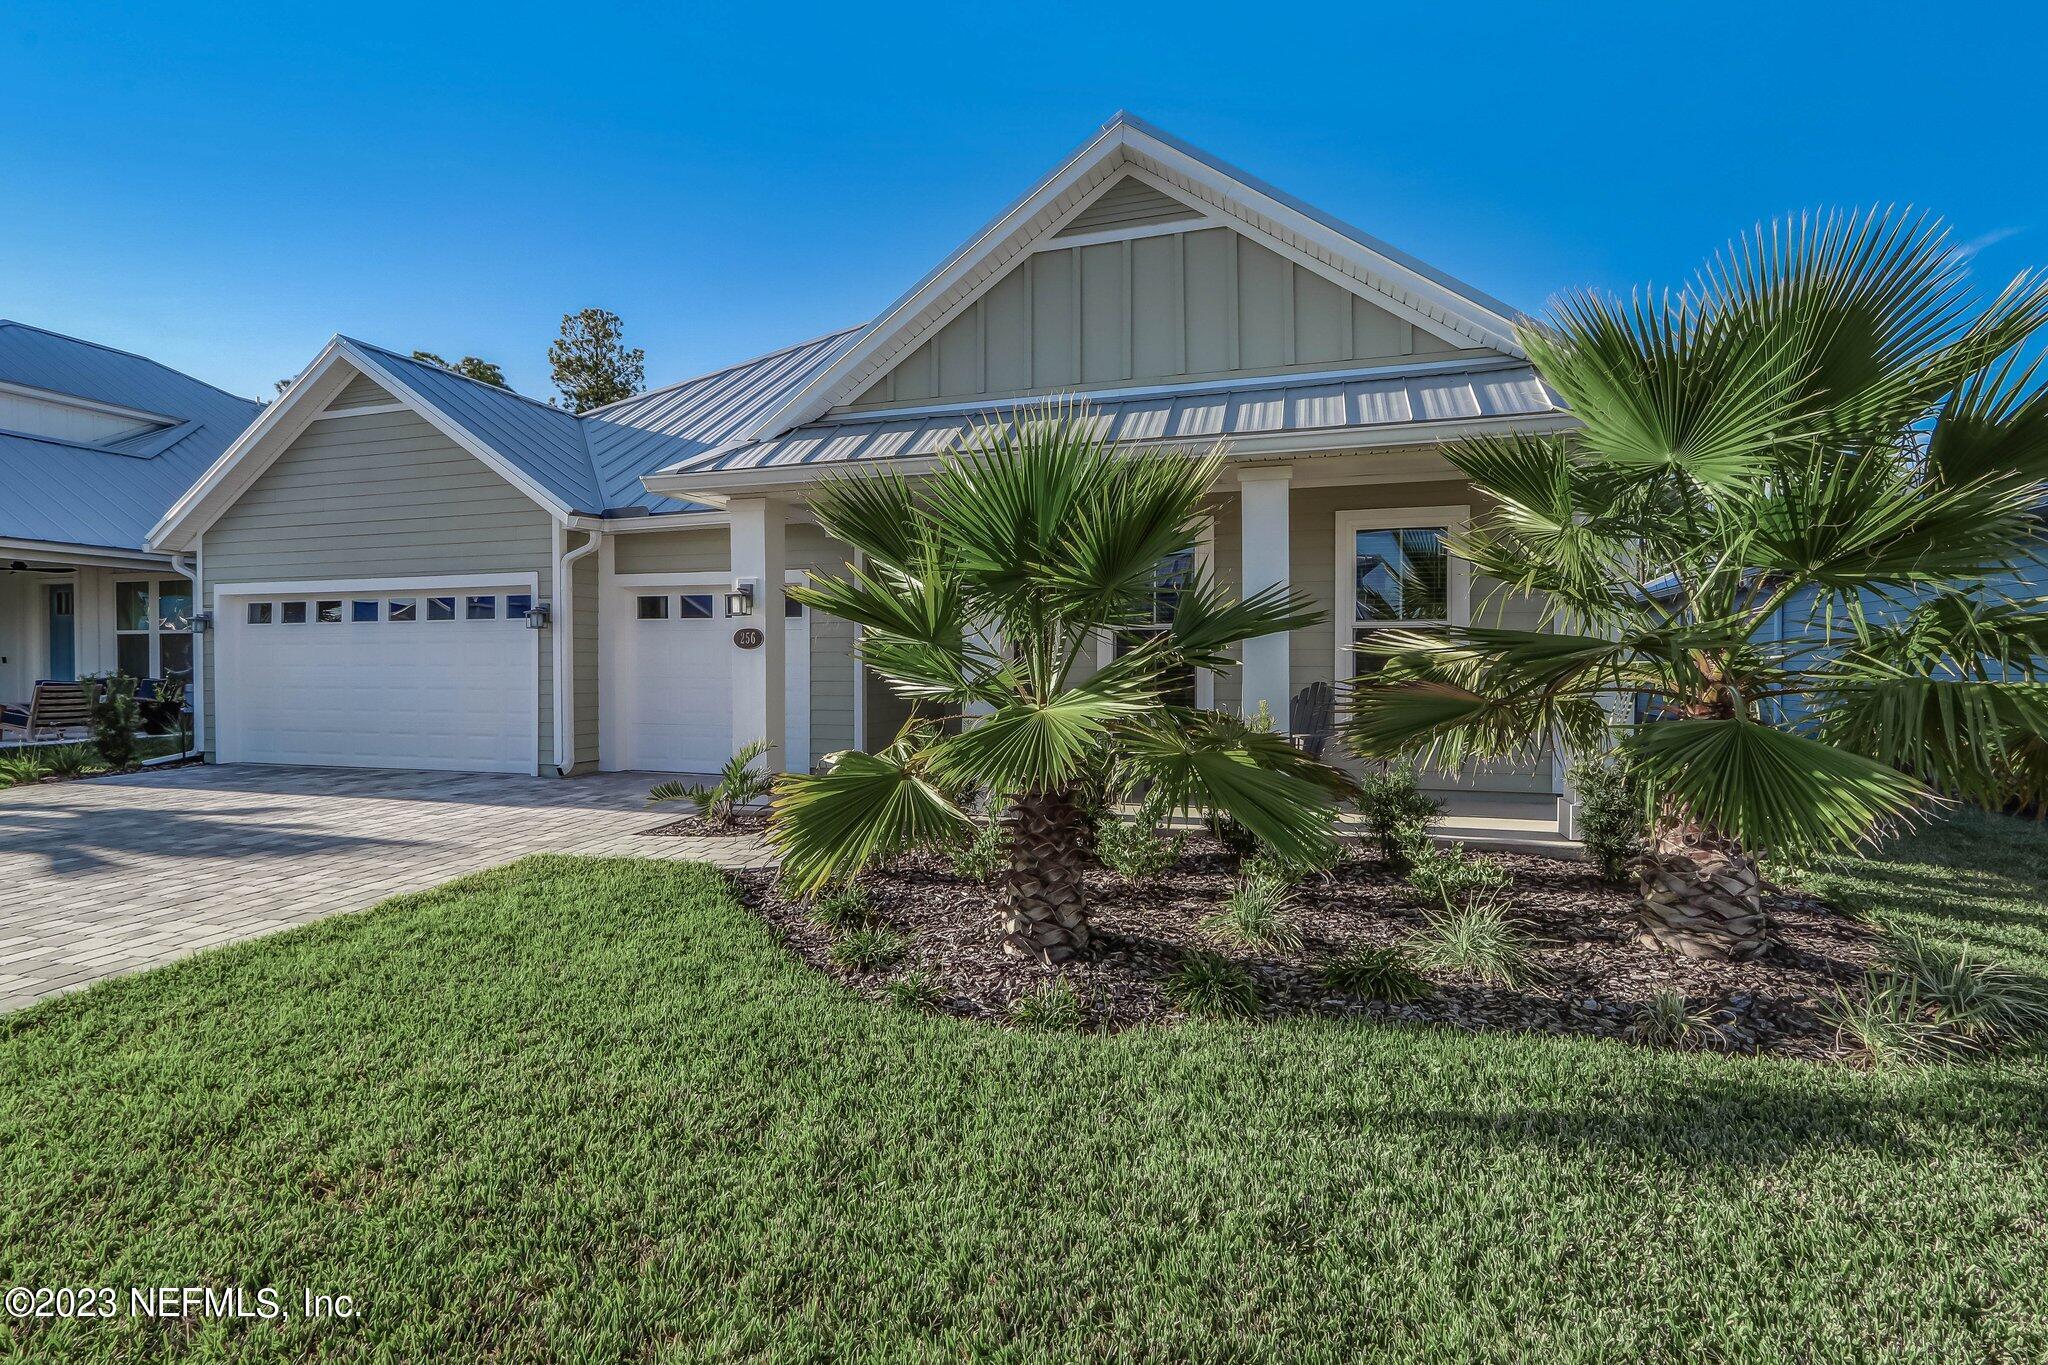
<point x="563" y="623"/>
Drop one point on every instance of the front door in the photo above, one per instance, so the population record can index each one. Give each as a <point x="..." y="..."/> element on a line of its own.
<point x="63" y="637"/>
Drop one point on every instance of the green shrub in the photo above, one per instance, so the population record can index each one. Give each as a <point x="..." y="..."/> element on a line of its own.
<point x="1211" y="984"/>
<point x="1137" y="850"/>
<point x="1267" y="865"/>
<point x="1974" y="995"/>
<point x="914" y="991"/>
<point x="1612" y="823"/>
<point x="1375" y="974"/>
<point x="983" y="856"/>
<point x="1055" y="1007"/>
<point x="843" y="909"/>
<point x="1477" y="938"/>
<point x="73" y="760"/>
<point x="1889" y="1023"/>
<point x="1398" y="813"/>
<point x="1668" y="1020"/>
<point x="115" y="719"/>
<point x="1235" y="838"/>
<point x="869" y="950"/>
<point x="1448" y="880"/>
<point x="738" y="784"/>
<point x="21" y="766"/>
<point x="1257" y="914"/>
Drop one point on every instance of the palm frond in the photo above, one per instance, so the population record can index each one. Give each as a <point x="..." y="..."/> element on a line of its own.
<point x="1994" y="425"/>
<point x="876" y="514"/>
<point x="830" y="825"/>
<point x="1043" y="744"/>
<point x="1192" y="760"/>
<point x="1964" y="737"/>
<point x="1770" y="788"/>
<point x="1207" y="620"/>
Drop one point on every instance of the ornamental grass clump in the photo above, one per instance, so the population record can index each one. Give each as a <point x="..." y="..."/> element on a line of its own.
<point x="1259" y="914"/>
<point x="868" y="950"/>
<point x="1668" y="1019"/>
<point x="1969" y="993"/>
<point x="1479" y="940"/>
<point x="1054" y="1008"/>
<point x="1211" y="985"/>
<point x="1375" y="973"/>
<point x="843" y="909"/>
<point x="918" y="991"/>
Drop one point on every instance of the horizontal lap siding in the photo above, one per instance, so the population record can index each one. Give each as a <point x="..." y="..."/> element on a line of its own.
<point x="832" y="640"/>
<point x="383" y="495"/>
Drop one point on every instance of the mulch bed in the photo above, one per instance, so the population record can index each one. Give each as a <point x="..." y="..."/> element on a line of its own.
<point x="1595" y="977"/>
<point x="745" y="824"/>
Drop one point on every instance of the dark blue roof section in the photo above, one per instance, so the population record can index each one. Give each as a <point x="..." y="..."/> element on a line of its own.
<point x="107" y="495"/>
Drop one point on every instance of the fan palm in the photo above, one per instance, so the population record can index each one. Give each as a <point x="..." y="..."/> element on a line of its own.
<point x="982" y="592"/>
<point x="1772" y="533"/>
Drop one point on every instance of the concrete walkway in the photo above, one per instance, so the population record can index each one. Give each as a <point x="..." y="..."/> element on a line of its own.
<point x="122" y="873"/>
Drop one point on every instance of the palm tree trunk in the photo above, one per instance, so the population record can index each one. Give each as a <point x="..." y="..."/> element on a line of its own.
<point x="1701" y="894"/>
<point x="1045" y="910"/>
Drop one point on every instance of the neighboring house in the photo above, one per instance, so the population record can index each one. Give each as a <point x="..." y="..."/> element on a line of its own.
<point x="403" y="567"/>
<point x="95" y="445"/>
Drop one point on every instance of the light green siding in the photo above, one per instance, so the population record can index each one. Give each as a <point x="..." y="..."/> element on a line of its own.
<point x="832" y="640"/>
<point x="361" y="392"/>
<point x="383" y="495"/>
<point x="1129" y="203"/>
<point x="1192" y="305"/>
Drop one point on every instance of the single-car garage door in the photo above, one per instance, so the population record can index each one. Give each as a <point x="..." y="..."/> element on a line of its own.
<point x="439" y="677"/>
<point x="672" y="681"/>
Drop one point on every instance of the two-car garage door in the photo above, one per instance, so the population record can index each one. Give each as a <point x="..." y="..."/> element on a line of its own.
<point x="445" y="676"/>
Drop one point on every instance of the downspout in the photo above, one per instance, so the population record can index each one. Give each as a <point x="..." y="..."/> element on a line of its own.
<point x="182" y="564"/>
<point x="564" y="624"/>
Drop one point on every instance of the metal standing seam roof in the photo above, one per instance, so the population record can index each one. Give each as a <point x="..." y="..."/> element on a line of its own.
<point x="1194" y="413"/>
<point x="593" y="462"/>
<point x="106" y="495"/>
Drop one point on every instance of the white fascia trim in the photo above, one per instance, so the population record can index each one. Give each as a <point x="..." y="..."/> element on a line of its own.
<point x="60" y="552"/>
<point x="454" y="431"/>
<point x="189" y="515"/>
<point x="1111" y="149"/>
<point x="308" y="587"/>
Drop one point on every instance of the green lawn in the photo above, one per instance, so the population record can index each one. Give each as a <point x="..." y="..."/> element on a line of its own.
<point x="581" y="1109"/>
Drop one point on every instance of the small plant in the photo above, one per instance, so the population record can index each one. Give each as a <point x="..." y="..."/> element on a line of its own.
<point x="1375" y="974"/>
<point x="869" y="950"/>
<point x="21" y="766"/>
<point x="1236" y="839"/>
<point x="983" y="856"/>
<point x="1612" y="821"/>
<point x="1267" y="865"/>
<point x="1976" y="996"/>
<point x="115" y="719"/>
<point x="1667" y="1020"/>
<point x="73" y="760"/>
<point x="1055" y="1007"/>
<point x="1257" y="914"/>
<point x="1211" y="984"/>
<point x="739" y="783"/>
<point x="1478" y="939"/>
<point x="1136" y="850"/>
<point x="1398" y="813"/>
<point x="1889" y="1023"/>
<point x="843" y="909"/>
<point x="165" y="711"/>
<point x="1448" y="880"/>
<point x="914" y="991"/>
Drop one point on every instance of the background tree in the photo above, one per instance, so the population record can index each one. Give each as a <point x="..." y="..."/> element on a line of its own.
<point x="483" y="371"/>
<point x="591" y="363"/>
<point x="1775" y="526"/>
<point x="989" y="584"/>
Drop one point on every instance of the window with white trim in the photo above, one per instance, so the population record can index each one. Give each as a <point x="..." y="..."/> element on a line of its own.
<point x="1396" y="568"/>
<point x="153" y="628"/>
<point x="1171" y="577"/>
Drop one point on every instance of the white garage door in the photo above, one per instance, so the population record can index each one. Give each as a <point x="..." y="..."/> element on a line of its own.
<point x="673" y="682"/>
<point x="445" y="677"/>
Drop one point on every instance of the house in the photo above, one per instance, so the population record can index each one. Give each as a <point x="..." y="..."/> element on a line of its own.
<point x="403" y="567"/>
<point x="95" y="446"/>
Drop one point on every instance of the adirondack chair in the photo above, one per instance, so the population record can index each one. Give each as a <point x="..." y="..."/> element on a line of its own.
<point x="1311" y="718"/>
<point x="58" y="705"/>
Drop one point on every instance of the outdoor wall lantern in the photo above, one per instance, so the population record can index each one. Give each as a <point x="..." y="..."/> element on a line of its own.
<point x="740" y="601"/>
<point x="202" y="621"/>
<point x="537" y="616"/>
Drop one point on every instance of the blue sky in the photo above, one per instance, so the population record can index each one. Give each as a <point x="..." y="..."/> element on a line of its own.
<point x="223" y="187"/>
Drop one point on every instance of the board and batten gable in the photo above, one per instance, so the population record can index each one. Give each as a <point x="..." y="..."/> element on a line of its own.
<point x="1170" y="307"/>
<point x="709" y="550"/>
<point x="380" y="495"/>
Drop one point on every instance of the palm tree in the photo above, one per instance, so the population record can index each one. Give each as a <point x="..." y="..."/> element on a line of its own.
<point x="983" y="592"/>
<point x="1788" y="479"/>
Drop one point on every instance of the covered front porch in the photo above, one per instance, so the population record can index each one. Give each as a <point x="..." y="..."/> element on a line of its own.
<point x="69" y="613"/>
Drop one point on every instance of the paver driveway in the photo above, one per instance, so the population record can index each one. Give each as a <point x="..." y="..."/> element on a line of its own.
<point x="121" y="873"/>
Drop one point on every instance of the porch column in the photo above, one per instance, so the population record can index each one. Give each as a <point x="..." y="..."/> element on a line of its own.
<point x="1262" y="506"/>
<point x="758" y="675"/>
